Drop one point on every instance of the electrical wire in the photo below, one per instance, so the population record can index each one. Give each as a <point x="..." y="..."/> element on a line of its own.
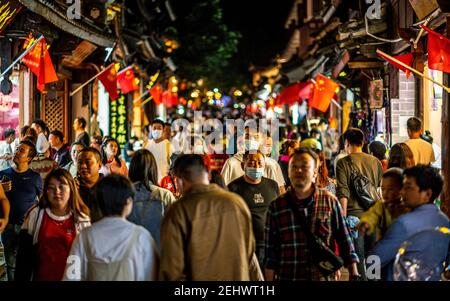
<point x="378" y="38"/>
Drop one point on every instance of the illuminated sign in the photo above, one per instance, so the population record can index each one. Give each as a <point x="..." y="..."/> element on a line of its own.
<point x="118" y="127"/>
<point x="8" y="10"/>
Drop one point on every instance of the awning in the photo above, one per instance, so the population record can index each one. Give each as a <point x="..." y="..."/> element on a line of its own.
<point x="79" y="28"/>
<point x="294" y="93"/>
<point x="305" y="69"/>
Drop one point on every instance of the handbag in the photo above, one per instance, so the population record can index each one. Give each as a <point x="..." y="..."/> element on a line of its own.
<point x="326" y="261"/>
<point x="364" y="191"/>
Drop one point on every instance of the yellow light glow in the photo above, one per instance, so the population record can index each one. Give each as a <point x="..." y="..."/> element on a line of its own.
<point x="137" y="81"/>
<point x="217" y="95"/>
<point x="174" y="89"/>
<point x="210" y="93"/>
<point x="238" y="93"/>
<point x="194" y="94"/>
<point x="173" y="80"/>
<point x="117" y="66"/>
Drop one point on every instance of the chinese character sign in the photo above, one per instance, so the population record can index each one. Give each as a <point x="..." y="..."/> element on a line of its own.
<point x="118" y="127"/>
<point x="8" y="10"/>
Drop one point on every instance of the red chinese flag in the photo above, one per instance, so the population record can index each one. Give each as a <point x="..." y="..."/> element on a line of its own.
<point x="169" y="99"/>
<point x="127" y="80"/>
<point x="407" y="59"/>
<point x="323" y="91"/>
<point x="438" y="51"/>
<point x="109" y="81"/>
<point x="40" y="63"/>
<point x="293" y="94"/>
<point x="156" y="93"/>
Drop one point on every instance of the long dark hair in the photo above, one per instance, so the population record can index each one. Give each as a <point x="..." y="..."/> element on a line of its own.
<point x="103" y="152"/>
<point x="76" y="204"/>
<point x="143" y="168"/>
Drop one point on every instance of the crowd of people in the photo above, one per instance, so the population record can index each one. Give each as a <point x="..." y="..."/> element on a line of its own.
<point x="176" y="206"/>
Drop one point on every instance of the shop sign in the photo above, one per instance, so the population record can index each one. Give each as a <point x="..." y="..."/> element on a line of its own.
<point x="8" y="10"/>
<point x="118" y="127"/>
<point x="376" y="94"/>
<point x="81" y="52"/>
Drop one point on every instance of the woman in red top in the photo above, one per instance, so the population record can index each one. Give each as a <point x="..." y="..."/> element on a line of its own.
<point x="50" y="228"/>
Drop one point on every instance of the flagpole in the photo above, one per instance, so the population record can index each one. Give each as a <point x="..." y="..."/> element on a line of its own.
<point x="21" y="56"/>
<point x="147" y="100"/>
<point x="124" y="69"/>
<point x="91" y="79"/>
<point x="413" y="70"/>
<point x="140" y="96"/>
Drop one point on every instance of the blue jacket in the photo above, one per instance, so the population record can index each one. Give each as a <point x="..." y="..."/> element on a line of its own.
<point x="422" y="218"/>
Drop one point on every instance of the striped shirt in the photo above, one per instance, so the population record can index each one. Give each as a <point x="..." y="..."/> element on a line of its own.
<point x="287" y="250"/>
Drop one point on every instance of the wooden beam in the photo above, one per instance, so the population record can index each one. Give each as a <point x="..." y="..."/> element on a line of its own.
<point x="445" y="142"/>
<point x="365" y="65"/>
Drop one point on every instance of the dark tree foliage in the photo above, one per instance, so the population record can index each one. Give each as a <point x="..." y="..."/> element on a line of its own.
<point x="207" y="46"/>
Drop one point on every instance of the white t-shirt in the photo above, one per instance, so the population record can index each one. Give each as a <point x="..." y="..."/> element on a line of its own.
<point x="162" y="152"/>
<point x="422" y="151"/>
<point x="437" y="156"/>
<point x="232" y="170"/>
<point x="6" y="148"/>
<point x="108" y="242"/>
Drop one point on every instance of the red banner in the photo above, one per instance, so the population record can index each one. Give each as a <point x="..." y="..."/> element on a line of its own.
<point x="438" y="51"/>
<point x="324" y="90"/>
<point x="127" y="80"/>
<point x="40" y="63"/>
<point x="407" y="59"/>
<point x="109" y="81"/>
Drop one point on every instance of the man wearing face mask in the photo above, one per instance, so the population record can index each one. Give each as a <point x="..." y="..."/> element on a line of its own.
<point x="258" y="192"/>
<point x="160" y="148"/>
<point x="232" y="168"/>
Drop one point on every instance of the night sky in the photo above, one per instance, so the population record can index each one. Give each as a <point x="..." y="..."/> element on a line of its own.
<point x="261" y="23"/>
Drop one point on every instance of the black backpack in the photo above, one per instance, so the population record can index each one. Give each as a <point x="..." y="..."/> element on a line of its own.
<point x="363" y="190"/>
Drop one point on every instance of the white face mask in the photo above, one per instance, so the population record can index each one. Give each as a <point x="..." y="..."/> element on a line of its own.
<point x="254" y="173"/>
<point x="156" y="134"/>
<point x="198" y="149"/>
<point x="251" y="145"/>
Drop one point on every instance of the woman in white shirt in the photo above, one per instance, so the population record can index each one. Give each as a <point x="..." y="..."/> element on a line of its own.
<point x="113" y="249"/>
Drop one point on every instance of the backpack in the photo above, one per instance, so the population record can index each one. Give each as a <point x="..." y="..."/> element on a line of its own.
<point x="362" y="189"/>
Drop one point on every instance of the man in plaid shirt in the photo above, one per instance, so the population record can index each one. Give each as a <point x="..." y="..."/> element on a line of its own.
<point x="287" y="253"/>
